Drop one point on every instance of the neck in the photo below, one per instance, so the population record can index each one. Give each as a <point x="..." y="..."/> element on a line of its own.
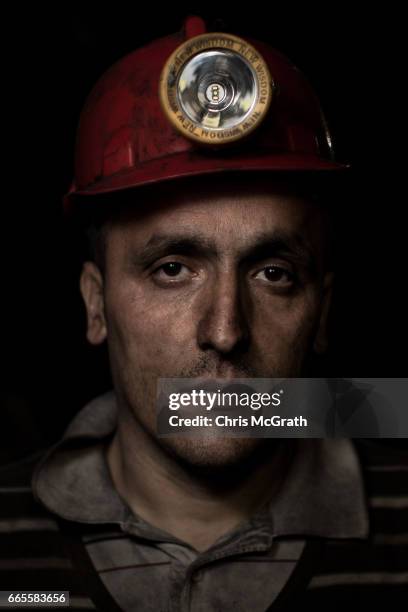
<point x="195" y="506"/>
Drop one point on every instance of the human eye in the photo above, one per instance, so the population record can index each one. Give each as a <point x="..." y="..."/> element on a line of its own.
<point x="276" y="275"/>
<point x="172" y="272"/>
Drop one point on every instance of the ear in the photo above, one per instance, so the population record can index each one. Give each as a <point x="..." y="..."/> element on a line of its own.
<point x="91" y="286"/>
<point x="321" y="341"/>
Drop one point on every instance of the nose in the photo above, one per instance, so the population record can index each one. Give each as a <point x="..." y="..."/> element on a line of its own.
<point x="223" y="325"/>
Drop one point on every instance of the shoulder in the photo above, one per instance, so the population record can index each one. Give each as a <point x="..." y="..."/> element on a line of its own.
<point x="17" y="499"/>
<point x="372" y="570"/>
<point x="27" y="529"/>
<point x="33" y="552"/>
<point x="384" y="465"/>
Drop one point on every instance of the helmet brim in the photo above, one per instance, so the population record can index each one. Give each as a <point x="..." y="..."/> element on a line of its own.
<point x="184" y="165"/>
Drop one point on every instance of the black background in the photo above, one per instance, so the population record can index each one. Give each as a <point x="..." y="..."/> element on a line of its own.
<point x="355" y="61"/>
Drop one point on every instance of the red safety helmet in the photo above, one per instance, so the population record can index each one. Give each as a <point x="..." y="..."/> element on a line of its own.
<point x="197" y="103"/>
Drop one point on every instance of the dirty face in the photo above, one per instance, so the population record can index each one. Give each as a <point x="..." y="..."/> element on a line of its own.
<point x="211" y="282"/>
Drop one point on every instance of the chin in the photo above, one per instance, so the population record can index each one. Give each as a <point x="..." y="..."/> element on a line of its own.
<point x="211" y="452"/>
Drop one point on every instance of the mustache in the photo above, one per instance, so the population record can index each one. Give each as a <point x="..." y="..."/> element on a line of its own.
<point x="208" y="365"/>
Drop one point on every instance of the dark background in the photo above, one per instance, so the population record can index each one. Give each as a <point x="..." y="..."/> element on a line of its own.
<point x="355" y="60"/>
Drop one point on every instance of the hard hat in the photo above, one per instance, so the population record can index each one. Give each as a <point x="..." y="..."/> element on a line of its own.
<point x="197" y="103"/>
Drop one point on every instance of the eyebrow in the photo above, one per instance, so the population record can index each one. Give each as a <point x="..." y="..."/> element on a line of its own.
<point x="161" y="245"/>
<point x="262" y="246"/>
<point x="279" y="243"/>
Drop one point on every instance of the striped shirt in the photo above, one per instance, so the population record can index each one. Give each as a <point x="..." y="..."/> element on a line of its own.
<point x="334" y="534"/>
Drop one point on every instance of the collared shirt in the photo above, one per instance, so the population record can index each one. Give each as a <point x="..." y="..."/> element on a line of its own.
<point x="145" y="568"/>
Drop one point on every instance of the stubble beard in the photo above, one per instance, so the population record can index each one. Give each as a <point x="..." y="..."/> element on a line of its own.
<point x="203" y="454"/>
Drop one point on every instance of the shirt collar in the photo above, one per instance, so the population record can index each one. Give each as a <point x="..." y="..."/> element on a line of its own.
<point x="322" y="493"/>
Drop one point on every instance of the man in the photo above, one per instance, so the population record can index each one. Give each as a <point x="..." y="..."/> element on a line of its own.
<point x="194" y="272"/>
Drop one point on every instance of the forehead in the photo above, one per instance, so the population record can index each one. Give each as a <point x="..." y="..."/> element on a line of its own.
<point x="228" y="213"/>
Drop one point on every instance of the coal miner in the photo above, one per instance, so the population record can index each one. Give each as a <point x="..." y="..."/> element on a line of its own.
<point x="204" y="170"/>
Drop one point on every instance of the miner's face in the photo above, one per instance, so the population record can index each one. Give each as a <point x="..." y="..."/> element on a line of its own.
<point x="226" y="282"/>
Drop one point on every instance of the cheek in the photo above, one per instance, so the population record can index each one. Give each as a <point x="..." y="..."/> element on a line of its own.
<point x="148" y="338"/>
<point x="284" y="327"/>
<point x="146" y="332"/>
